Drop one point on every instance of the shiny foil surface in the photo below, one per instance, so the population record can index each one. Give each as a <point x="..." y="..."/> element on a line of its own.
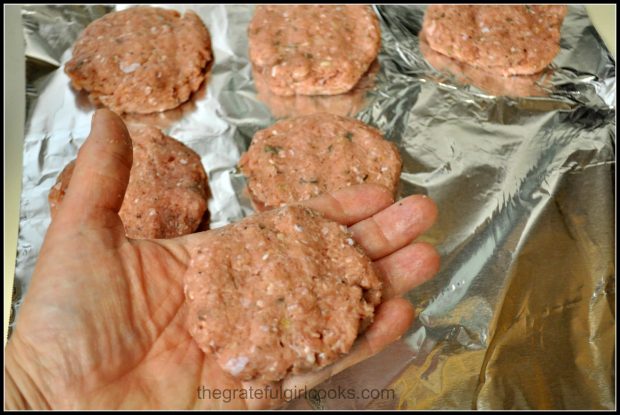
<point x="522" y="312"/>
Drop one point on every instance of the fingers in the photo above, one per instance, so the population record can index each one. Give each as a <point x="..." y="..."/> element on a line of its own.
<point x="407" y="268"/>
<point x="270" y="399"/>
<point x="396" y="226"/>
<point x="101" y="173"/>
<point x="392" y="320"/>
<point x="352" y="204"/>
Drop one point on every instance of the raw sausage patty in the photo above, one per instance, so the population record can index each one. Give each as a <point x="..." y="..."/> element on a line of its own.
<point x="279" y="292"/>
<point x="167" y="191"/>
<point x="509" y="40"/>
<point x="313" y="49"/>
<point x="302" y="157"/>
<point x="346" y="104"/>
<point x="141" y="60"/>
<point x="489" y="82"/>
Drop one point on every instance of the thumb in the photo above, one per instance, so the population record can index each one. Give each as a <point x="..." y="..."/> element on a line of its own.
<point x="100" y="176"/>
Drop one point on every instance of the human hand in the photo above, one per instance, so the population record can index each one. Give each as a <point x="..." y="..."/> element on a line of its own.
<point x="103" y="322"/>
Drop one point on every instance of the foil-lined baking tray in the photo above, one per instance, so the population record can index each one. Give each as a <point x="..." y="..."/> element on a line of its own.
<point x="521" y="314"/>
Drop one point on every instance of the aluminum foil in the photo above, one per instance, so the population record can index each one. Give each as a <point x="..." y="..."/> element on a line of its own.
<point x="521" y="314"/>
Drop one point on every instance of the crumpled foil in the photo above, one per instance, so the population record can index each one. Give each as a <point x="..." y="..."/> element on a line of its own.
<point x="521" y="314"/>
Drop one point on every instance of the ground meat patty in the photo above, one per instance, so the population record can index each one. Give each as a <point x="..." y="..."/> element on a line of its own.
<point x="510" y="40"/>
<point x="489" y="82"/>
<point x="279" y="292"/>
<point x="313" y="49"/>
<point x="347" y="104"/>
<point x="167" y="191"/>
<point x="302" y="157"/>
<point x="141" y="60"/>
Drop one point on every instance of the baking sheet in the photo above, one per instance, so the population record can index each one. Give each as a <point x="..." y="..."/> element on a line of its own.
<point x="521" y="314"/>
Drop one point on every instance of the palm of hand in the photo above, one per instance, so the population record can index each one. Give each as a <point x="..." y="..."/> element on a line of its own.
<point x="103" y="324"/>
<point x="110" y="321"/>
